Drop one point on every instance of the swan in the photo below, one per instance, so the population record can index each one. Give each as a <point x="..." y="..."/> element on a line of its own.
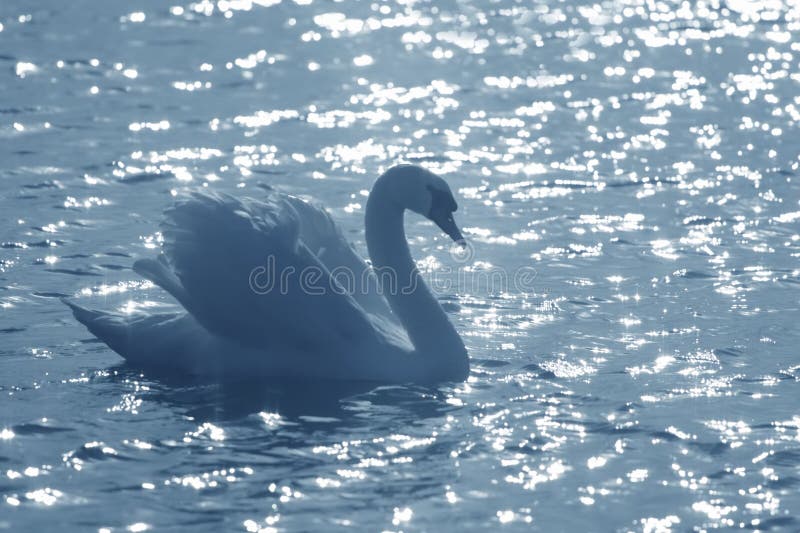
<point x="237" y="267"/>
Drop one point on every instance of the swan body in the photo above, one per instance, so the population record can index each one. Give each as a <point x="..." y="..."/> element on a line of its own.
<point x="236" y="268"/>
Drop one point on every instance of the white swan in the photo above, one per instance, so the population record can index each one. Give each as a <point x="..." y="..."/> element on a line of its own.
<point x="237" y="266"/>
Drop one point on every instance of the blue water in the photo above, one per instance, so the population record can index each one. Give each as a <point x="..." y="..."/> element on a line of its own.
<point x="642" y="157"/>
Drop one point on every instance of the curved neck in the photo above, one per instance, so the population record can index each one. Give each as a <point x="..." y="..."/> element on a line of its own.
<point x="428" y="327"/>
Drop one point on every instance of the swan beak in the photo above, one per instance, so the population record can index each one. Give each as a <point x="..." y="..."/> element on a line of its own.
<point x="448" y="225"/>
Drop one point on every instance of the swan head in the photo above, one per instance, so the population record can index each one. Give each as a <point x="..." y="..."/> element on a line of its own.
<point x="423" y="192"/>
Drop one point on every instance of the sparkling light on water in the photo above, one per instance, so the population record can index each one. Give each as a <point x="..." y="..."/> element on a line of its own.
<point x="639" y="157"/>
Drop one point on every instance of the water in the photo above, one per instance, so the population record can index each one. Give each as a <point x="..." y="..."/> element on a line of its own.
<point x="640" y="156"/>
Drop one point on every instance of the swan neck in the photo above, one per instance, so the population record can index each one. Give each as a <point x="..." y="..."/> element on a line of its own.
<point x="426" y="323"/>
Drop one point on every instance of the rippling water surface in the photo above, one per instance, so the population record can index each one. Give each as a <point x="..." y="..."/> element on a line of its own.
<point x="642" y="157"/>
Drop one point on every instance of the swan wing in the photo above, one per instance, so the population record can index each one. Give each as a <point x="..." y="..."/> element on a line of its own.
<point x="158" y="271"/>
<point x="241" y="268"/>
<point x="324" y="239"/>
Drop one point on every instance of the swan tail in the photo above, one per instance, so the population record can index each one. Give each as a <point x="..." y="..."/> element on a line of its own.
<point x="82" y="314"/>
<point x="110" y="328"/>
<point x="166" y="340"/>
